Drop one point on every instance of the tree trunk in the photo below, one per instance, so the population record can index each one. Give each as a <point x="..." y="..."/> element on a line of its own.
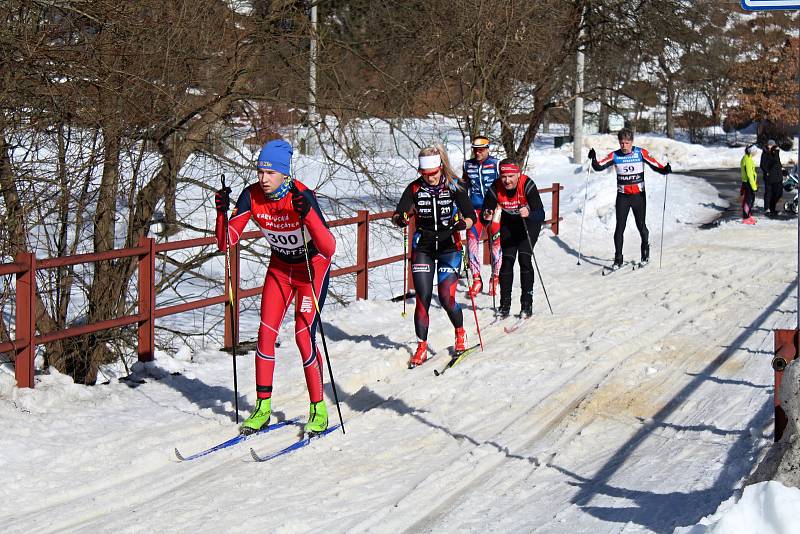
<point x="670" y="105"/>
<point x="603" y="117"/>
<point x="17" y="233"/>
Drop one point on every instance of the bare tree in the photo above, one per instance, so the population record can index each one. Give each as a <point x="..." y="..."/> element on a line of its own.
<point x="129" y="90"/>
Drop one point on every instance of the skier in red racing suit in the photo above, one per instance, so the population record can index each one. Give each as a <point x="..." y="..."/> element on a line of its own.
<point x="287" y="213"/>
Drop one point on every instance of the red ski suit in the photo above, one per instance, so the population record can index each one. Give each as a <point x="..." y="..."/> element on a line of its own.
<point x="287" y="277"/>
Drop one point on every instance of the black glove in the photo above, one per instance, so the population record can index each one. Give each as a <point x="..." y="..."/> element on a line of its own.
<point x="592" y="154"/>
<point x="667" y="169"/>
<point x="400" y="219"/>
<point x="459" y="225"/>
<point x="222" y="200"/>
<point x="300" y="202"/>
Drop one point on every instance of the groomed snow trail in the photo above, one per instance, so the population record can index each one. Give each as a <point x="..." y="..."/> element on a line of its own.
<point x="639" y="406"/>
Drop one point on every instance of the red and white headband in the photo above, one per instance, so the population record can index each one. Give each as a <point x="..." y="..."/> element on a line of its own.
<point x="430" y="164"/>
<point x="509" y="168"/>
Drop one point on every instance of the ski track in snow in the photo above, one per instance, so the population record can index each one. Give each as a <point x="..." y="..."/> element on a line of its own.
<point x="639" y="406"/>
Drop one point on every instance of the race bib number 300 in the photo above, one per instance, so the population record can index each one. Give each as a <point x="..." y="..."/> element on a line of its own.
<point x="287" y="241"/>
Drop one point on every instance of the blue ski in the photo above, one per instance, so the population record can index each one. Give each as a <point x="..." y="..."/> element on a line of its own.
<point x="238" y="439"/>
<point x="299" y="444"/>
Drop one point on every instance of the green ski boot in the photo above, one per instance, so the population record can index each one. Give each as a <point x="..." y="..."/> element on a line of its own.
<point x="317" y="418"/>
<point x="259" y="418"/>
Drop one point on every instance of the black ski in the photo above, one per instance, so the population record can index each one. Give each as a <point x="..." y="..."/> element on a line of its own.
<point x="611" y="269"/>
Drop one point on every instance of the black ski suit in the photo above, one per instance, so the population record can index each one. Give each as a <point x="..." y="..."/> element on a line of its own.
<point x="436" y="247"/>
<point x="518" y="235"/>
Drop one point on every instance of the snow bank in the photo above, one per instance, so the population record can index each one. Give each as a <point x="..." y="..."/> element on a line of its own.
<point x="765" y="508"/>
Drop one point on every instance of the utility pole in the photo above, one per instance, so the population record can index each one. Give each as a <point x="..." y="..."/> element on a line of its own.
<point x="312" y="74"/>
<point x="577" y="116"/>
<point x="312" y="116"/>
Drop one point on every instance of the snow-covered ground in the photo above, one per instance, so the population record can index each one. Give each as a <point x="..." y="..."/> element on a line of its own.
<point x="640" y="405"/>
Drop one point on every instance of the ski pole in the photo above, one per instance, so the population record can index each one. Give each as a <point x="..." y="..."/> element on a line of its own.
<point x="583" y="212"/>
<point x="530" y="244"/>
<point x="234" y="329"/>
<point x="493" y="259"/>
<point x="319" y="320"/>
<point x="474" y="308"/>
<point x="405" y="269"/>
<point x="663" y="212"/>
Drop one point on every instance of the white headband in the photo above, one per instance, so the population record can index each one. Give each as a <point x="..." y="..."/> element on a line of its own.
<point x="430" y="162"/>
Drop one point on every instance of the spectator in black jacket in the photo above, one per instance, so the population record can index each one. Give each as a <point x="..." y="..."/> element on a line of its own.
<point x="773" y="183"/>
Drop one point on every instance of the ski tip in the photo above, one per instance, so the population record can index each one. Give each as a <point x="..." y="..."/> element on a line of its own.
<point x="436" y="372"/>
<point x="255" y="456"/>
<point x="178" y="455"/>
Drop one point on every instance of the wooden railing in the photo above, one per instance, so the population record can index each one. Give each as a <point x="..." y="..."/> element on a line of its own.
<point x="25" y="265"/>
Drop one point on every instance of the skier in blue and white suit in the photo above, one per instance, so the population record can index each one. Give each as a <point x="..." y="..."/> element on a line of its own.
<point x="480" y="173"/>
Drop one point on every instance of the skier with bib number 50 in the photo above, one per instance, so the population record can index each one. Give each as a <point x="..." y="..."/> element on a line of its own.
<point x="629" y="162"/>
<point x="287" y="213"/>
<point x="442" y="209"/>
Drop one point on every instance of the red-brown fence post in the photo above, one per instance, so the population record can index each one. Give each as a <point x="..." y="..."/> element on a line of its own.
<point x="234" y="274"/>
<point x="785" y="343"/>
<point x="147" y="300"/>
<point x="26" y="320"/>
<point x="556" y="195"/>
<point x="362" y="255"/>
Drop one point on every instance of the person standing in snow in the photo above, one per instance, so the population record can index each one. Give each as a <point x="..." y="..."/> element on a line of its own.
<point x="441" y="209"/>
<point x="521" y="218"/>
<point x="749" y="184"/>
<point x="629" y="163"/>
<point x="287" y="213"/>
<point x="773" y="182"/>
<point x="764" y="165"/>
<point x="480" y="173"/>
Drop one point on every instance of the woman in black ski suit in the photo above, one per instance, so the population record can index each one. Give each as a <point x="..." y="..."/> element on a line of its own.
<point x="442" y="208"/>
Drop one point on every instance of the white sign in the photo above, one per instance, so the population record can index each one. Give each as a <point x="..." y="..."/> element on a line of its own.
<point x="770" y="4"/>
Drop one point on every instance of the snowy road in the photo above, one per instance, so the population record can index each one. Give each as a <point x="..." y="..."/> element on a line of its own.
<point x="639" y="406"/>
